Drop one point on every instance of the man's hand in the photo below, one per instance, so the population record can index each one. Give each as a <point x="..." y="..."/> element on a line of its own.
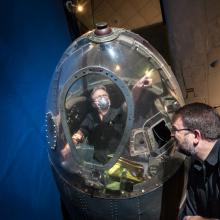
<point x="140" y="87"/>
<point x="78" y="137"/>
<point x="65" y="151"/>
<point x="144" y="82"/>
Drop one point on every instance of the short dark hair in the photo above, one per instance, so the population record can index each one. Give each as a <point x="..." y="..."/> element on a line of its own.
<point x="97" y="88"/>
<point x="202" y="117"/>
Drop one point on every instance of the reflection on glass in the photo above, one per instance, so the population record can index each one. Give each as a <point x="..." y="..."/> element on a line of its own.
<point x="146" y="92"/>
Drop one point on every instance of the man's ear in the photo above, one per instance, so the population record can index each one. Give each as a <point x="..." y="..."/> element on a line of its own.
<point x="197" y="136"/>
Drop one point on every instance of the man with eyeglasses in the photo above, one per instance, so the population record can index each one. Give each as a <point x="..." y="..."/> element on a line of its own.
<point x="196" y="131"/>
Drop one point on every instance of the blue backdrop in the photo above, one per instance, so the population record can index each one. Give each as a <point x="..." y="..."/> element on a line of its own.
<point x="33" y="36"/>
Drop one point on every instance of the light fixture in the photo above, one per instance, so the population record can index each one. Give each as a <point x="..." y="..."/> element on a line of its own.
<point x="117" y="68"/>
<point x="79" y="8"/>
<point x="72" y="7"/>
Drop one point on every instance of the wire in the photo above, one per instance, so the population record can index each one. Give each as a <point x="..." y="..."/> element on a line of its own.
<point x="92" y="8"/>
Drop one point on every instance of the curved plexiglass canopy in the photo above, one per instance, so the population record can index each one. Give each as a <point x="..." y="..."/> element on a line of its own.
<point x="127" y="149"/>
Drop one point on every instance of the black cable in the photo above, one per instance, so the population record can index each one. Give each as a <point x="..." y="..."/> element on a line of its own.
<point x="92" y="8"/>
<point x="71" y="22"/>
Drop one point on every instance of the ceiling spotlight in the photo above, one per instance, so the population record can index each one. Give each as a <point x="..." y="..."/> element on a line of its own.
<point x="117" y="67"/>
<point x="72" y="7"/>
<point x="79" y="8"/>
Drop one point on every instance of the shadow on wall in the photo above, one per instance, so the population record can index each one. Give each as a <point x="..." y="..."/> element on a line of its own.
<point x="158" y="37"/>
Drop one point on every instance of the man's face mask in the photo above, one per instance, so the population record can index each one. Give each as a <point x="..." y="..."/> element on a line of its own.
<point x="102" y="102"/>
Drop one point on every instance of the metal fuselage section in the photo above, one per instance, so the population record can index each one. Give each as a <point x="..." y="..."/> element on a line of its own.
<point x="123" y="164"/>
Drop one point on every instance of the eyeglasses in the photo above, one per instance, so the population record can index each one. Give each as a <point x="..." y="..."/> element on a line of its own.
<point x="174" y="130"/>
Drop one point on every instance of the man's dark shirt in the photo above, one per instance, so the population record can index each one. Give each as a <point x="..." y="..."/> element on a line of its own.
<point x="104" y="135"/>
<point x="204" y="186"/>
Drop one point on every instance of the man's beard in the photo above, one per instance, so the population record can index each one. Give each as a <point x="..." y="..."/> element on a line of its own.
<point x="185" y="148"/>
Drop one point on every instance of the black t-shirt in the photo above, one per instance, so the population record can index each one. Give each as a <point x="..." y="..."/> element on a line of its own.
<point x="204" y="186"/>
<point x="104" y="135"/>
